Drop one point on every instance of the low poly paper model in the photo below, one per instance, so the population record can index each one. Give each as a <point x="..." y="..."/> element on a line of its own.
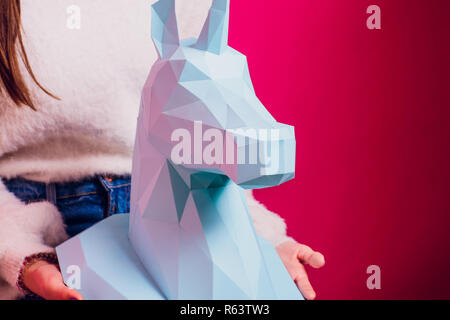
<point x="203" y="137"/>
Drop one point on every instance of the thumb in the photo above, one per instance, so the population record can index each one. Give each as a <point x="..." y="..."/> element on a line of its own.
<point x="55" y="289"/>
<point x="45" y="280"/>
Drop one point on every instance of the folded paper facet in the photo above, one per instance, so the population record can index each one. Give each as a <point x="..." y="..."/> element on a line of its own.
<point x="203" y="136"/>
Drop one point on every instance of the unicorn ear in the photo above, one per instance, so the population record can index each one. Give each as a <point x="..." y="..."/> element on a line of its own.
<point x="165" y="27"/>
<point x="214" y="36"/>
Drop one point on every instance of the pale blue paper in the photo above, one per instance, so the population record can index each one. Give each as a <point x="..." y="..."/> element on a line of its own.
<point x="190" y="232"/>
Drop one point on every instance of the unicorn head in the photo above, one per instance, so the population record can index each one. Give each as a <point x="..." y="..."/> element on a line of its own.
<point x="202" y="132"/>
<point x="200" y="109"/>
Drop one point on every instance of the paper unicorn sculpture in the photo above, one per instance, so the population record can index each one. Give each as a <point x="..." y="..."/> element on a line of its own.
<point x="203" y="137"/>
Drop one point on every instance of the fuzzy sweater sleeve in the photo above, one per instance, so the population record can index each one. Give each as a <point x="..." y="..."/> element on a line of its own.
<point x="24" y="230"/>
<point x="267" y="224"/>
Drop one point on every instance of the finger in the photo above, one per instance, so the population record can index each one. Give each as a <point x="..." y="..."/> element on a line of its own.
<point x="57" y="290"/>
<point x="304" y="285"/>
<point x="53" y="287"/>
<point x="306" y="255"/>
<point x="317" y="260"/>
<point x="71" y="294"/>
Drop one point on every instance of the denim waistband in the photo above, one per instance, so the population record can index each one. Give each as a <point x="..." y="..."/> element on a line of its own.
<point x="32" y="191"/>
<point x="81" y="203"/>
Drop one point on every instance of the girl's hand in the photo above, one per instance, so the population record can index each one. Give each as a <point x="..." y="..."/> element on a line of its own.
<point x="294" y="257"/>
<point x="45" y="280"/>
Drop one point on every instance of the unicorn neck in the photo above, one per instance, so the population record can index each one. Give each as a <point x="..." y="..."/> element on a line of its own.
<point x="182" y="234"/>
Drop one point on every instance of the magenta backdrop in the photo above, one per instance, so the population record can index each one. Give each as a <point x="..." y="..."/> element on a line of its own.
<point x="372" y="117"/>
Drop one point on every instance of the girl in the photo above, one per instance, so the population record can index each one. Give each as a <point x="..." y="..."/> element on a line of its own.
<point x="71" y="76"/>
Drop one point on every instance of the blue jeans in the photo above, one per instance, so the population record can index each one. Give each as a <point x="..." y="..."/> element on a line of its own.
<point x="83" y="203"/>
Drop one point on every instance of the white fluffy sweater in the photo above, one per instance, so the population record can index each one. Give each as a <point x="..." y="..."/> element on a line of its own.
<point x="98" y="71"/>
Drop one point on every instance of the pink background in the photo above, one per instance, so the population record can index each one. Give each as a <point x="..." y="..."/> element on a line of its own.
<point x="372" y="117"/>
